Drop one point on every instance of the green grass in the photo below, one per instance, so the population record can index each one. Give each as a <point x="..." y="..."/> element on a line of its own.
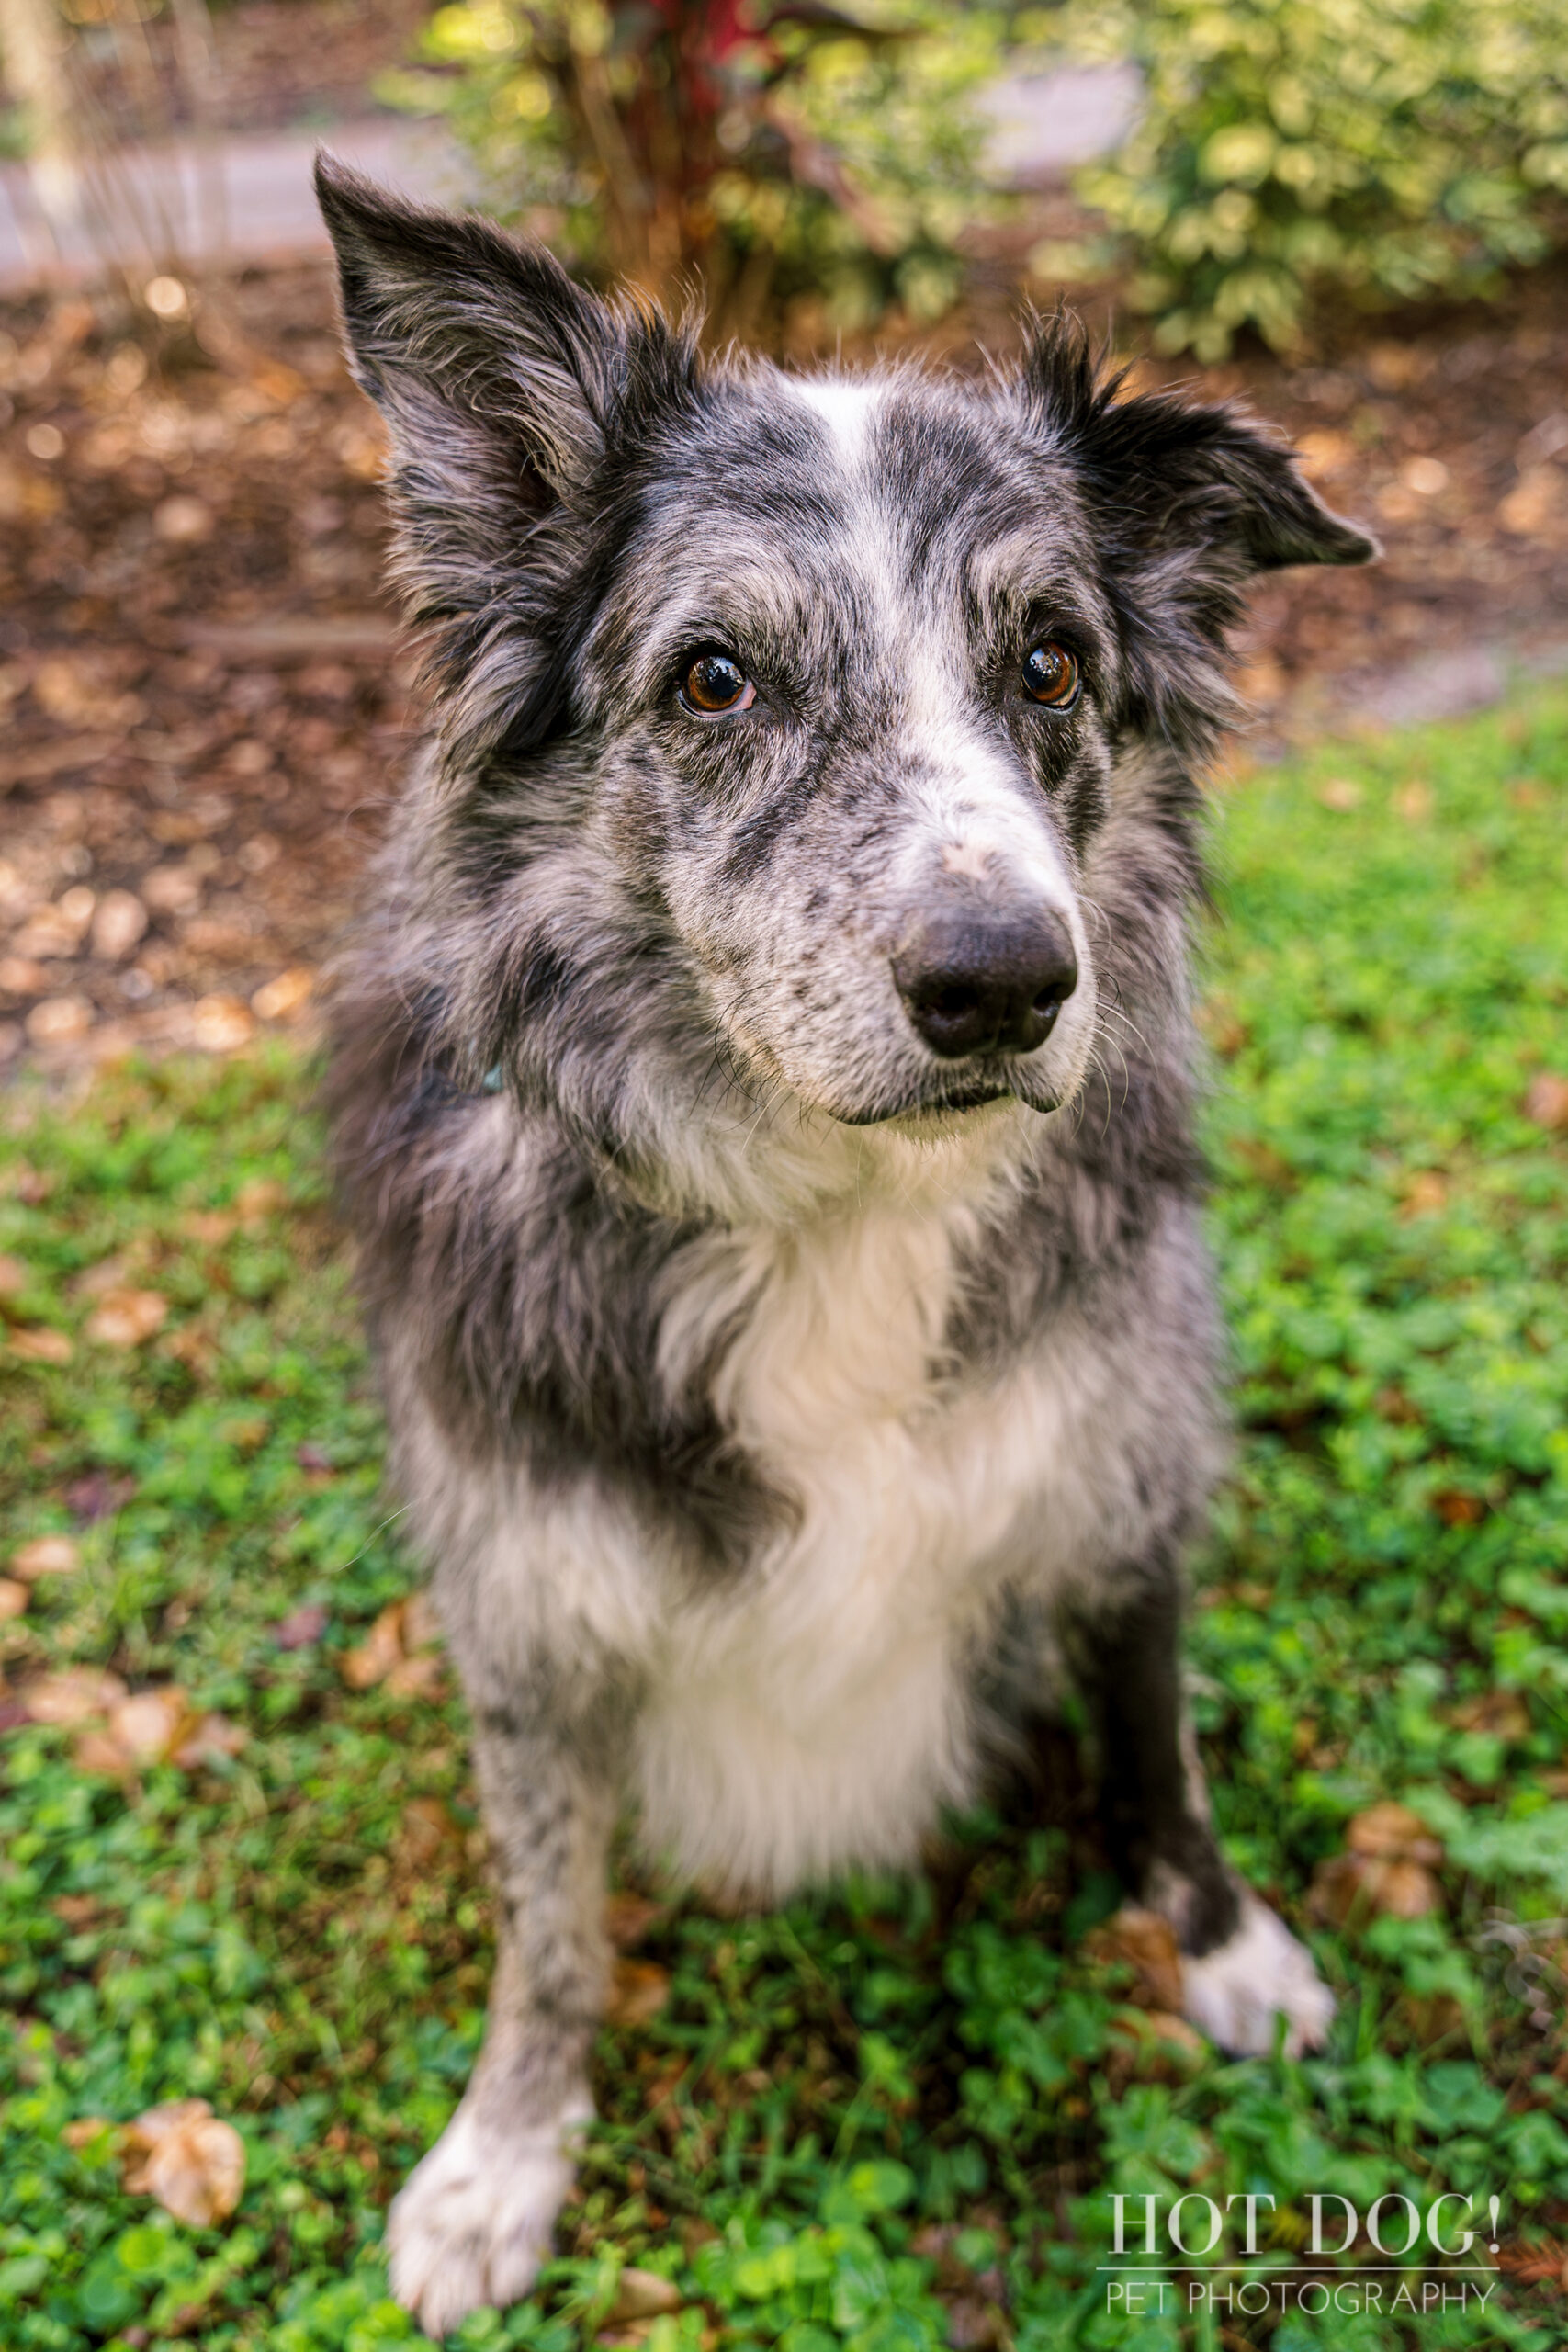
<point x="854" y="2115"/>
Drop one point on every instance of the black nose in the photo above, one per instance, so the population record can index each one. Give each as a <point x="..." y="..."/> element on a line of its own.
<point x="983" y="982"/>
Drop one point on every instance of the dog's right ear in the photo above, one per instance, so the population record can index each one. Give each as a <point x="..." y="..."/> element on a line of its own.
<point x="504" y="386"/>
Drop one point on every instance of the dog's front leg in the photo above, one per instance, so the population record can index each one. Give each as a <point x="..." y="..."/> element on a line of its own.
<point x="474" y="2220"/>
<point x="1240" y="1964"/>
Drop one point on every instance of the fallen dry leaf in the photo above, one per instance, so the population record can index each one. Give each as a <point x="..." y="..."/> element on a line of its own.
<point x="42" y="760"/>
<point x="975" y="2325"/>
<point x="1427" y="477"/>
<point x="381" y="1650"/>
<point x="56" y="930"/>
<point x="396" y="1651"/>
<point x="192" y="1347"/>
<point x="221" y="1024"/>
<point x="19" y="975"/>
<point x="1387" y="1869"/>
<point x="421" y="1626"/>
<point x="72" y="1696"/>
<point x="430" y="1829"/>
<point x="119" y="921"/>
<point x="638" y="1990"/>
<point x="301" y="1628"/>
<point x="45" y="1555"/>
<point x="1456" y="1507"/>
<point x="259" y="1197"/>
<point x="1390" y="1832"/>
<point x="212" y="1738"/>
<point x="1541" y="2262"/>
<point x="1414" y="801"/>
<point x="59" y="1021"/>
<point x="38" y="1345"/>
<point x="85" y="2129"/>
<point x="1341" y="794"/>
<point x="1226" y="1035"/>
<point x="1532" y="501"/>
<point x="1503" y="1714"/>
<point x="13" y="1598"/>
<point x="415" y="1678"/>
<point x="1323" y="452"/>
<point x="170" y="889"/>
<point x="1261" y="680"/>
<point x="150" y="1725"/>
<point x="109" y="1274"/>
<point x="1144" y="1942"/>
<point x="1431" y="2017"/>
<point x="1356" y="1886"/>
<point x="1426" y="1193"/>
<point x="642" y="2294"/>
<point x="188" y="2159"/>
<point x="1547" y="1102"/>
<point x="279" y="999"/>
<point x="157" y="1726"/>
<point x="14" y="1276"/>
<point x="96" y="1495"/>
<point x="1155" y="2045"/>
<point x="181" y="519"/>
<point x="212" y="1227"/>
<point x="96" y="1750"/>
<point x="124" y="1318"/>
<point x="627" y="1919"/>
<point x="1270" y="1167"/>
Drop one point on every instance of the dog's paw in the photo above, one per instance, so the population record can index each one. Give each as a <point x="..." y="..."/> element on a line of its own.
<point x="473" y="2222"/>
<point x="1234" y="1993"/>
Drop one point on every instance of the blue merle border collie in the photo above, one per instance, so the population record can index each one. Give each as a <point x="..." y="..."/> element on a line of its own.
<point x="763" y="1084"/>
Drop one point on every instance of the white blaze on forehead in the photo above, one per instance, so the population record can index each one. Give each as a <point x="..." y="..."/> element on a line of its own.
<point x="975" y="818"/>
<point x="846" y="408"/>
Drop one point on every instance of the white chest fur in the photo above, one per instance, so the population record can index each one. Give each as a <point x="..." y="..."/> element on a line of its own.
<point x="817" y="1714"/>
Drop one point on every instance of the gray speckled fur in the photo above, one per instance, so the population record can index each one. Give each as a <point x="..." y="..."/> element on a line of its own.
<point x="755" y="1375"/>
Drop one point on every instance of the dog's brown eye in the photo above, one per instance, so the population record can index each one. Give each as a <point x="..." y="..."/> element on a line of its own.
<point x="1051" y="675"/>
<point x="715" y="683"/>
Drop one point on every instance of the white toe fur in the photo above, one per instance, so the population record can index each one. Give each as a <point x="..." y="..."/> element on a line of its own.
<point x="1234" y="1993"/>
<point x="473" y="2222"/>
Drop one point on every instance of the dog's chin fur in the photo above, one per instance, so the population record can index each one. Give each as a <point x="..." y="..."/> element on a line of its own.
<point x="944" y="1114"/>
<point x="777" y="1405"/>
<point x="938" y="1118"/>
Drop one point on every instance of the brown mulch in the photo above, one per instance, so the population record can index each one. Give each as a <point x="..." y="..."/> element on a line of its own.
<point x="262" y="65"/>
<point x="205" y="705"/>
<point x="204" y="695"/>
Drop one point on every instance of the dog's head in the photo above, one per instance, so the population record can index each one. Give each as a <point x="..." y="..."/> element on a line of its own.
<point x="788" y="711"/>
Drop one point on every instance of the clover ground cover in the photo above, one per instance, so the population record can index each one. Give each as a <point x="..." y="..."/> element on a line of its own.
<point x="891" y="2116"/>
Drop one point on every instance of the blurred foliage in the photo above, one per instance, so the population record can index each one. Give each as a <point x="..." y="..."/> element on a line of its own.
<point x="1294" y="150"/>
<point x="766" y="150"/>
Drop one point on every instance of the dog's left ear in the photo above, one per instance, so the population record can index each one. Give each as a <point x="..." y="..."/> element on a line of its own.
<point x="1188" y="501"/>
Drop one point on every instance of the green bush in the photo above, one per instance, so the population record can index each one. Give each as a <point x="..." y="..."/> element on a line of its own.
<point x="763" y="150"/>
<point x="1296" y="150"/>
